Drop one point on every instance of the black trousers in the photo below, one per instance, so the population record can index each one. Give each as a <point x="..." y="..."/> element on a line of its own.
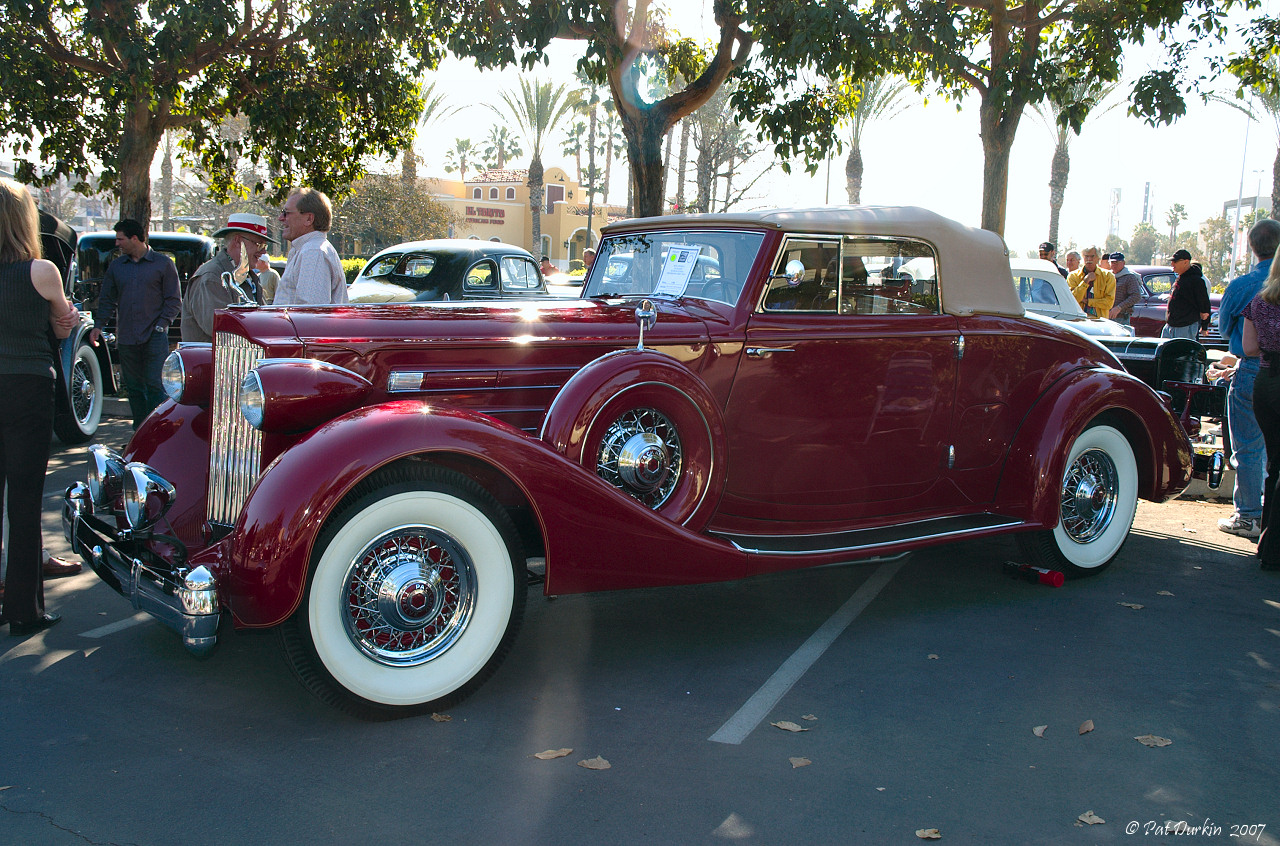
<point x="1266" y="407"/>
<point x="26" y="430"/>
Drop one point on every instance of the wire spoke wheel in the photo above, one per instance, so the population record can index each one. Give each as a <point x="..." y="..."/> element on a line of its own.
<point x="1090" y="488"/>
<point x="640" y="454"/>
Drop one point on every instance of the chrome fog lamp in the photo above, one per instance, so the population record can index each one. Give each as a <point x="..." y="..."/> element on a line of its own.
<point x="140" y="484"/>
<point x="106" y="474"/>
<point x="173" y="376"/>
<point x="252" y="399"/>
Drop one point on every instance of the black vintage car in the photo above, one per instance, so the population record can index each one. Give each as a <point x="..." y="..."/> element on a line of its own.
<point x="447" y="269"/>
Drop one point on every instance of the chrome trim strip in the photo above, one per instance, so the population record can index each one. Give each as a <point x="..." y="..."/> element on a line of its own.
<point x="760" y="550"/>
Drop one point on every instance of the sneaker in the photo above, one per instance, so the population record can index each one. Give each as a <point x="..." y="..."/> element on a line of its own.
<point x="1240" y="526"/>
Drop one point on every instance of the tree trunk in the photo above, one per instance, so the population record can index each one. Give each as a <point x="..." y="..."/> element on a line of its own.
<point x="608" y="174"/>
<point x="644" y="148"/>
<point x="999" y="126"/>
<point x="139" y="141"/>
<point x="684" y="164"/>
<point x="535" y="202"/>
<point x="666" y="157"/>
<point x="591" y="172"/>
<point x="1058" y="172"/>
<point x="729" y="172"/>
<point x="1275" y="186"/>
<point x="853" y="173"/>
<point x="409" y="166"/>
<point x="166" y="184"/>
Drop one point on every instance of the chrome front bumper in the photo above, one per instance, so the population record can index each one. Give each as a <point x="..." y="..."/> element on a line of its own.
<point x="185" y="601"/>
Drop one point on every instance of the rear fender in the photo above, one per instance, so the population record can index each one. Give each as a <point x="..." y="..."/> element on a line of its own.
<point x="595" y="537"/>
<point x="1029" y="484"/>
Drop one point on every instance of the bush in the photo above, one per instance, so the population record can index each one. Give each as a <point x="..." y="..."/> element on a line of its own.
<point x="352" y="267"/>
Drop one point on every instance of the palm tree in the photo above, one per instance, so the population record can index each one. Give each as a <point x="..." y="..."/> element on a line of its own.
<point x="879" y="98"/>
<point x="500" y="147"/>
<point x="433" y="109"/>
<point x="588" y="103"/>
<point x="536" y="109"/>
<point x="459" y="157"/>
<point x="1089" y="94"/>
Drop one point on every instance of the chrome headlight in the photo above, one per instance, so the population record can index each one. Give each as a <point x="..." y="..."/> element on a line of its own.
<point x="252" y="399"/>
<point x="173" y="376"/>
<point x="106" y="474"/>
<point x="140" y="484"/>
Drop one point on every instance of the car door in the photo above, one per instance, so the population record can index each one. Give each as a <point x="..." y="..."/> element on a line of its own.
<point x="842" y="404"/>
<point x="521" y="278"/>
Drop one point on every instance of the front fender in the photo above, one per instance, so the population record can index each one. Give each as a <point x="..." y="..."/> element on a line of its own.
<point x="596" y="538"/>
<point x="1030" y="480"/>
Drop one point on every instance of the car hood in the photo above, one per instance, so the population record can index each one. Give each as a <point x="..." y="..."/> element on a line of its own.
<point x="484" y="323"/>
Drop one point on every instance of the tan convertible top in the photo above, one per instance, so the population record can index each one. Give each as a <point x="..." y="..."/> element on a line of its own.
<point x="973" y="264"/>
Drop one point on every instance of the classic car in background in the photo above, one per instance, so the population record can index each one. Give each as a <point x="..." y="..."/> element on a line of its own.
<point x="1149" y="314"/>
<point x="96" y="250"/>
<point x="447" y="269"/>
<point x="371" y="481"/>
<point x="1042" y="290"/>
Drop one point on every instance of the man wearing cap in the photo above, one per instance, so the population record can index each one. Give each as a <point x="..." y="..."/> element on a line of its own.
<point x="220" y="281"/>
<point x="1048" y="252"/>
<point x="1189" y="300"/>
<point x="1128" y="290"/>
<point x="1248" y="448"/>
<point x="1094" y="287"/>
<point x="313" y="275"/>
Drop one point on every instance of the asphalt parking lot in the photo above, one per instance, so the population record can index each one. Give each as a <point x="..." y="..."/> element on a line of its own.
<point x="918" y="686"/>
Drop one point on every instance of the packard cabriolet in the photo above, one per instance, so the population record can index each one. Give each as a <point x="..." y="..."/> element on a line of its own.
<point x="373" y="480"/>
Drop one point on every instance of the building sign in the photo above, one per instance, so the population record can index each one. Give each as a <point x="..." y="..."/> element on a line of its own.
<point x="480" y="214"/>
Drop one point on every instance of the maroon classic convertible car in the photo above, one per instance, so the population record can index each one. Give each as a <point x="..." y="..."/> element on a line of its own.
<point x="372" y="480"/>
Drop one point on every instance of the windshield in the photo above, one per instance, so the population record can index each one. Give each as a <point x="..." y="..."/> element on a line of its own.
<point x="706" y="263"/>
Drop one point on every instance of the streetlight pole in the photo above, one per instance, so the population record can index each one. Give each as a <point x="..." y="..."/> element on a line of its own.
<point x="1235" y="227"/>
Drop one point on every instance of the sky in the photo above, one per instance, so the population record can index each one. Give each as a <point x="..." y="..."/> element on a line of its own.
<point x="931" y="156"/>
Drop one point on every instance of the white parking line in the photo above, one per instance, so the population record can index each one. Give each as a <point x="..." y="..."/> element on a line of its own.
<point x="112" y="628"/>
<point x="742" y="723"/>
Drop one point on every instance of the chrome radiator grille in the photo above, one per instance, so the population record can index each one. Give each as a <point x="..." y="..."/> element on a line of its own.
<point x="235" y="451"/>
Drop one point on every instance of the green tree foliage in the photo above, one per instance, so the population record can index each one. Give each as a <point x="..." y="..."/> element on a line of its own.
<point x="1144" y="244"/>
<point x="1009" y="55"/>
<point x="1116" y="244"/>
<point x="1174" y="216"/>
<point x="880" y="98"/>
<point x="500" y="147"/>
<point x="1215" y="234"/>
<point x="433" y="109"/>
<point x="460" y="158"/>
<point x="91" y="87"/>
<point x="1054" y="110"/>
<point x="380" y="211"/>
<point x="627" y="45"/>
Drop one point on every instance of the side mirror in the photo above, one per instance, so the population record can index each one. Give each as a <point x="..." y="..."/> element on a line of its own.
<point x="646" y="319"/>
<point x="793" y="272"/>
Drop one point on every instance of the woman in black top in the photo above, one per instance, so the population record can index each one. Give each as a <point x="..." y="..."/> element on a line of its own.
<point x="31" y="304"/>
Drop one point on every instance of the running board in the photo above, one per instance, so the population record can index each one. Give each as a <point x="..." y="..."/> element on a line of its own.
<point x="862" y="540"/>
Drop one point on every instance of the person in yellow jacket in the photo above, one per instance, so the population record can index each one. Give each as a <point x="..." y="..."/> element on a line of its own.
<point x="1093" y="286"/>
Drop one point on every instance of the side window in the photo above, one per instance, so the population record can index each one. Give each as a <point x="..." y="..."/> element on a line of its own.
<point x="887" y="276"/>
<point x="815" y="282"/>
<point x="1160" y="283"/>
<point x="519" y="274"/>
<point x="493" y="193"/>
<point x="482" y="278"/>
<point x="475" y="194"/>
<point x="1033" y="291"/>
<point x="511" y="193"/>
<point x="382" y="266"/>
<point x="417" y="267"/>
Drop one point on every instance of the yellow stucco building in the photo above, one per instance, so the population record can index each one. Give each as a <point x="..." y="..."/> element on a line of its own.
<point x="494" y="206"/>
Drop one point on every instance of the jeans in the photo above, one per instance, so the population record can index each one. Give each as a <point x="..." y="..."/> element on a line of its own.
<point x="1191" y="330"/>
<point x="1266" y="406"/>
<point x="140" y="366"/>
<point x="26" y="429"/>
<point x="1249" y="448"/>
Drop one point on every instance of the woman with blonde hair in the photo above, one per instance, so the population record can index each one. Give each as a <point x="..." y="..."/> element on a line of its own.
<point x="32" y="304"/>
<point x="1261" y="337"/>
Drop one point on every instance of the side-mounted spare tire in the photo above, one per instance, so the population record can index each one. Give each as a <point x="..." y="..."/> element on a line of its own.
<point x="648" y="426"/>
<point x="1098" y="498"/>
<point x="76" y="420"/>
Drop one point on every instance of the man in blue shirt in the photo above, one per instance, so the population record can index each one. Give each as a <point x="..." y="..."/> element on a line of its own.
<point x="1249" y="456"/>
<point x="140" y="289"/>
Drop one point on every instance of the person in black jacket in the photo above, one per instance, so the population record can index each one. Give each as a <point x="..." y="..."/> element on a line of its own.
<point x="1189" y="301"/>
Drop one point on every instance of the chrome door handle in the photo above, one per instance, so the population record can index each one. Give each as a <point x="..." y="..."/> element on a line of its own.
<point x="765" y="352"/>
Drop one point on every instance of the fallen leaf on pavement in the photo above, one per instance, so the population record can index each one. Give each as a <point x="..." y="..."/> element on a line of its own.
<point x="1153" y="740"/>
<point x="928" y="834"/>
<point x="933" y="656"/>
<point x="1090" y="818"/>
<point x="551" y="754"/>
<point x="809" y="717"/>
<point x="796" y="763"/>
<point x="787" y="725"/>
<point x="1086" y="727"/>
<point x="1135" y="606"/>
<point x="1038" y="731"/>
<point x="442" y="718"/>
<point x="596" y="763"/>
<point x="1164" y="593"/>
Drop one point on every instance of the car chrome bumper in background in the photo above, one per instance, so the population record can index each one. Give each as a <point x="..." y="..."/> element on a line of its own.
<point x="186" y="602"/>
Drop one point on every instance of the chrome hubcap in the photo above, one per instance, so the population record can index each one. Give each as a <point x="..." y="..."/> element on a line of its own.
<point x="1090" y="490"/>
<point x="82" y="391"/>
<point x="408" y="596"/>
<point x="641" y="455"/>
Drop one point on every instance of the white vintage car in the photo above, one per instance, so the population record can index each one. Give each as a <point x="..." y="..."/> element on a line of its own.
<point x="1043" y="290"/>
